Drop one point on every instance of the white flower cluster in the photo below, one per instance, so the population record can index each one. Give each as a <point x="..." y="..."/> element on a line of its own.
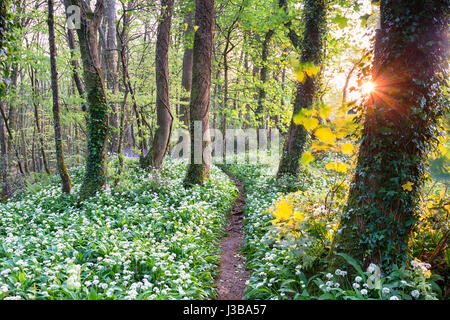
<point x="131" y="242"/>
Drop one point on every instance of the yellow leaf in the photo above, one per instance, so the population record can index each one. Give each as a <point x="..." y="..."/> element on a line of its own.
<point x="185" y="26"/>
<point x="348" y="148"/>
<point x="307" y="122"/>
<point x="325" y="135"/>
<point x="297" y="119"/>
<point x="325" y="112"/>
<point x="442" y="148"/>
<point x="195" y="28"/>
<point x="408" y="186"/>
<point x="307" y="157"/>
<point x="310" y="123"/>
<point x="340" y="122"/>
<point x="311" y="70"/>
<point x="300" y="76"/>
<point x="283" y="210"/>
<point x="299" y="217"/>
<point x="341" y="133"/>
<point x="337" y="166"/>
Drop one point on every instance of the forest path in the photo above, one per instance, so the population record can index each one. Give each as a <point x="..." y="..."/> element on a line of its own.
<point x="233" y="275"/>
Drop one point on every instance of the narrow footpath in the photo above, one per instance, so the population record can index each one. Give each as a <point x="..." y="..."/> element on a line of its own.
<point x="233" y="274"/>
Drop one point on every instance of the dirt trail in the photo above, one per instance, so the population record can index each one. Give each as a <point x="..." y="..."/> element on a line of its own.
<point x="233" y="275"/>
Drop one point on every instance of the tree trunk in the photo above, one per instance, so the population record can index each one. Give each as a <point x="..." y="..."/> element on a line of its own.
<point x="96" y="164"/>
<point x="37" y="122"/>
<point x="315" y="13"/>
<point x="4" y="161"/>
<point x="74" y="63"/>
<point x="198" y="170"/>
<point x="112" y="80"/>
<point x="186" y="80"/>
<point x="163" y="113"/>
<point x="401" y="116"/>
<point x="64" y="174"/>
<point x="123" y="38"/>
<point x="260" y="110"/>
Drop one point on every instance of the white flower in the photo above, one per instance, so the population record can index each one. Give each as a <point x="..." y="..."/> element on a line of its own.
<point x="73" y="283"/>
<point x="329" y="275"/>
<point x="363" y="292"/>
<point x="372" y="267"/>
<point x="13" y="298"/>
<point x="415" y="294"/>
<point x="358" y="279"/>
<point x="356" y="286"/>
<point x="385" y="290"/>
<point x="394" y="298"/>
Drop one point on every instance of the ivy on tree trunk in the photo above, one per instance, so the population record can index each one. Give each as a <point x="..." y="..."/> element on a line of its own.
<point x="401" y="121"/>
<point x="314" y="15"/>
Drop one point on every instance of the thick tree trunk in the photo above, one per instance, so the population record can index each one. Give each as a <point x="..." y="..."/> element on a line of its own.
<point x="199" y="168"/>
<point x="96" y="164"/>
<point x="312" y="52"/>
<point x="163" y="113"/>
<point x="401" y="116"/>
<point x="64" y="174"/>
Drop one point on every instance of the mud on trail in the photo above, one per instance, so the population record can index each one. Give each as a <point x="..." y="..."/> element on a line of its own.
<point x="233" y="274"/>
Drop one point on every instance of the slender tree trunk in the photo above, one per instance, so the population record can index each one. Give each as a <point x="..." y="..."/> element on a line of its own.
<point x="112" y="79"/>
<point x="123" y="38"/>
<point x="96" y="163"/>
<point x="315" y="13"/>
<point x="4" y="163"/>
<point x="163" y="113"/>
<point x="37" y="121"/>
<point x="74" y="63"/>
<point x="401" y="116"/>
<point x="186" y="81"/>
<point x="64" y="174"/>
<point x="199" y="168"/>
<point x="25" y="152"/>
<point x="121" y="134"/>
<point x="260" y="109"/>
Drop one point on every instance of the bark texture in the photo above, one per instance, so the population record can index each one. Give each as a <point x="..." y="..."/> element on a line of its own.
<point x="112" y="79"/>
<point x="188" y="59"/>
<point x="164" y="116"/>
<point x="312" y="45"/>
<point x="198" y="170"/>
<point x="63" y="173"/>
<point x="96" y="165"/>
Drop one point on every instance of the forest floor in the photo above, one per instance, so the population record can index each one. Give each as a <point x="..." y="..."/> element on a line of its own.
<point x="231" y="282"/>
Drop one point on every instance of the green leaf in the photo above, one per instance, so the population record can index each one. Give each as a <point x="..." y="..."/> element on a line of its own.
<point x="341" y="21"/>
<point x="352" y="262"/>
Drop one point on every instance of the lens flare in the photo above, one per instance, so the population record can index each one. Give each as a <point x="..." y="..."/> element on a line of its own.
<point x="368" y="87"/>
